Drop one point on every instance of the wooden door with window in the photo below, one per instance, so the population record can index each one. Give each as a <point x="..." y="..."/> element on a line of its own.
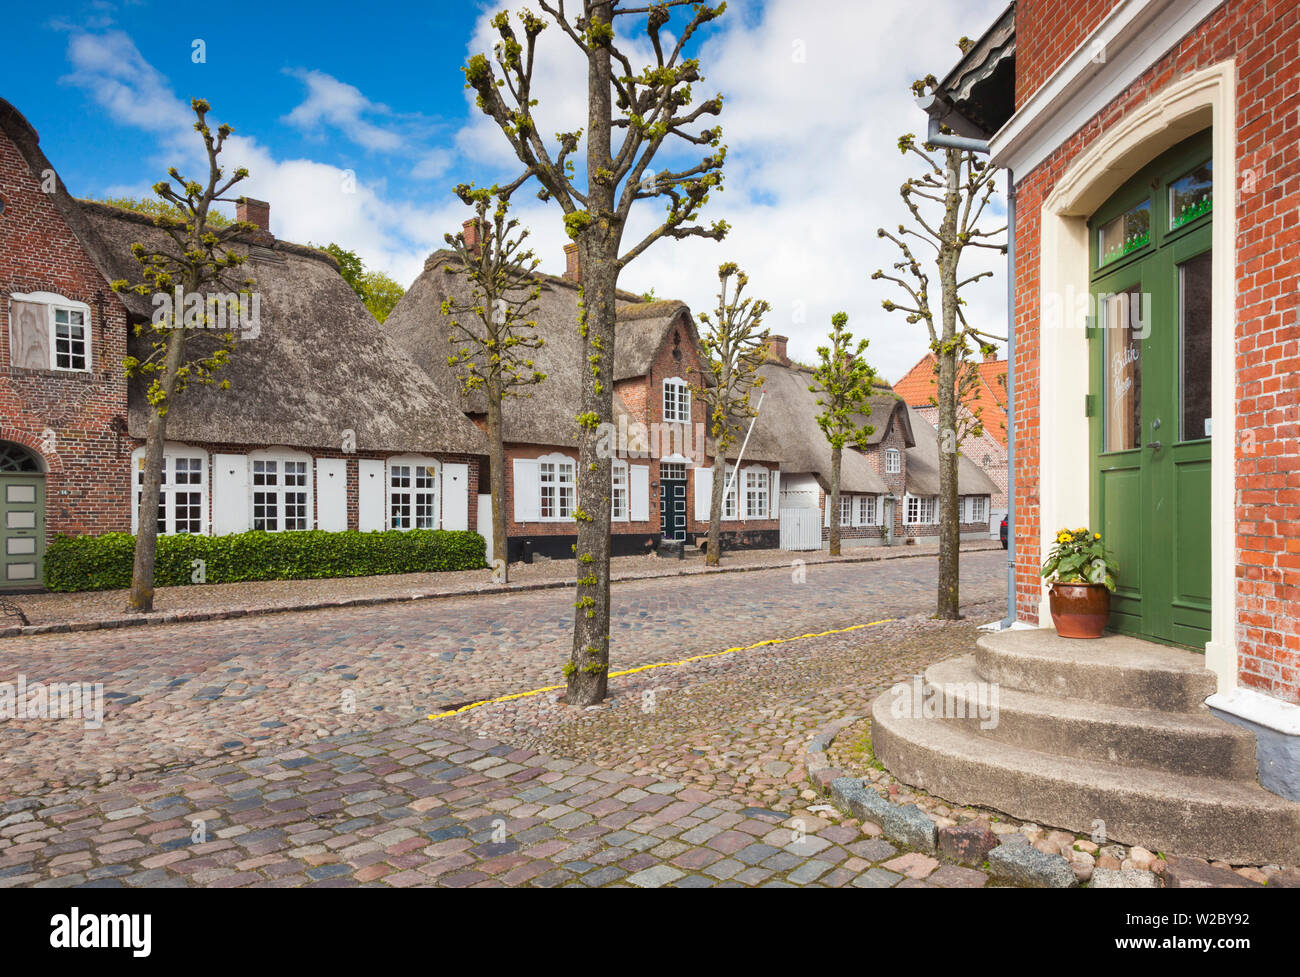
<point x="672" y="500"/>
<point x="22" y="519"/>
<point x="1150" y="368"/>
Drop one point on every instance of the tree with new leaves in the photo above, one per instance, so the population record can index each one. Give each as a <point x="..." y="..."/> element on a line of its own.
<point x="186" y="344"/>
<point x="732" y="351"/>
<point x="947" y="203"/>
<point x="632" y="114"/>
<point x="494" y="331"/>
<point x="843" y="381"/>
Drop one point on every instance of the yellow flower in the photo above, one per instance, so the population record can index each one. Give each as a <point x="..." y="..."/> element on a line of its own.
<point x="1063" y="538"/>
<point x="1096" y="535"/>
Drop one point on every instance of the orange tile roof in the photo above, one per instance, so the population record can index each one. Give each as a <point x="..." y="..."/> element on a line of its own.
<point x="989" y="395"/>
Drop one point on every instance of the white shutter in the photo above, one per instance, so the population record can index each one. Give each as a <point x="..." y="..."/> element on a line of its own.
<point x="371" y="494"/>
<point x="880" y="510"/>
<point x="455" y="496"/>
<point x="527" y="491"/>
<point x="935" y="510"/>
<point x="827" y="513"/>
<point x="638" y="492"/>
<point x="774" y="495"/>
<point x="332" y="494"/>
<point x="230" y="502"/>
<point x="703" y="493"/>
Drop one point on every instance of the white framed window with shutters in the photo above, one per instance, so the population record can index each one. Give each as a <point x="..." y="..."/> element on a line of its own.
<point x="618" y="492"/>
<point x="730" y="495"/>
<point x="893" y="461"/>
<point x="977" y="508"/>
<point x="557" y="484"/>
<point x="183" y="491"/>
<point x="866" y="515"/>
<point x="280" y="491"/>
<point x="920" y="509"/>
<point x="757" y="483"/>
<point x="677" y="400"/>
<point x="48" y="331"/>
<point x="846" y="510"/>
<point x="413" y="483"/>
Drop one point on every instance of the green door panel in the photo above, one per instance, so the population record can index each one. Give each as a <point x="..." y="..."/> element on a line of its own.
<point x="22" y="531"/>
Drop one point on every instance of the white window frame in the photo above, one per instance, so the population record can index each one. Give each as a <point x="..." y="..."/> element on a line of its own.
<point x="921" y="510"/>
<point x="167" y="490"/>
<point x="979" y="508"/>
<point x="562" y="487"/>
<point x="757" y="498"/>
<point x="893" y="461"/>
<point x="866" y="510"/>
<point x="413" y="468"/>
<point x="279" y="490"/>
<point x="677" y="406"/>
<point x="620" y="498"/>
<point x="55" y="303"/>
<point x="846" y="510"/>
<point x="730" y="499"/>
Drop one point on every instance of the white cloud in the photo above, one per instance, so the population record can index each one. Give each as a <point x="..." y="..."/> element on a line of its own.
<point x="338" y="105"/>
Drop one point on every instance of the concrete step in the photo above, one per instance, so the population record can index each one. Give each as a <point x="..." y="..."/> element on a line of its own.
<point x="1114" y="670"/>
<point x="1193" y="742"/>
<point x="1180" y="814"/>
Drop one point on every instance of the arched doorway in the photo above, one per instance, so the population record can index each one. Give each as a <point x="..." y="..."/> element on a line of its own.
<point x="22" y="517"/>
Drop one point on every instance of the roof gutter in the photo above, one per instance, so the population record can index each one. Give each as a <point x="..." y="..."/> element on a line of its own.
<point x="949" y="141"/>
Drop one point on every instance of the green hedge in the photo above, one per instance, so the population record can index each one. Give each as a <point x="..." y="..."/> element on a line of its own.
<point x="104" y="562"/>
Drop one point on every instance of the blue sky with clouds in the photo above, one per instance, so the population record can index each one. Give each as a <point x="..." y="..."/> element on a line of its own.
<point x="355" y="123"/>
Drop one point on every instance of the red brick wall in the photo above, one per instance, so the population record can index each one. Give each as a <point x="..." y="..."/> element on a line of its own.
<point x="1264" y="38"/>
<point x="64" y="417"/>
<point x="1048" y="32"/>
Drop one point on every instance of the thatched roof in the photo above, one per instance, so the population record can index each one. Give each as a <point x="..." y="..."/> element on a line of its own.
<point x="320" y="365"/>
<point x="544" y="415"/>
<point x="923" y="465"/>
<point x="789" y="420"/>
<point x="884" y="408"/>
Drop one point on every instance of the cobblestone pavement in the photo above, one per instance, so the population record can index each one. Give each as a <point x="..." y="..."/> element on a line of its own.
<point x="264" y="781"/>
<point x="426" y="805"/>
<point x="181" y="693"/>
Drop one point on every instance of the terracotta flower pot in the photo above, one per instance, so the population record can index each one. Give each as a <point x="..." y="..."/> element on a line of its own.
<point x="1079" y="610"/>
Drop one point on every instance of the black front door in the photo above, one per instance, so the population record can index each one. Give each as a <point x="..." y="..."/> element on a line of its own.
<point x="672" y="508"/>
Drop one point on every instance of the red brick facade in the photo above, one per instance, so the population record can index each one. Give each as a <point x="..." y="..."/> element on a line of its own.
<point x="1263" y="36"/>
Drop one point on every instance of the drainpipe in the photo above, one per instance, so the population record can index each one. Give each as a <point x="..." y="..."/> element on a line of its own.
<point x="937" y="138"/>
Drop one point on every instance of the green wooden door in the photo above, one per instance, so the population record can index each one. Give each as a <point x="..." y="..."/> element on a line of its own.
<point x="1150" y="367"/>
<point x="22" y="531"/>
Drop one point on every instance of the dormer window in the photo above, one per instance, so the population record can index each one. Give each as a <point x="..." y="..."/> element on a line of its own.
<point x="677" y="401"/>
<point x="893" y="461"/>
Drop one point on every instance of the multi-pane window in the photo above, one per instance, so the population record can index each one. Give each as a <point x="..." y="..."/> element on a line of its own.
<point x="920" y="509"/>
<point x="893" y="461"/>
<point x="730" y="495"/>
<point x="557" y="489"/>
<point x="280" y="495"/>
<point x="71" y="350"/>
<point x="846" y="510"/>
<point x="866" y="510"/>
<point x="618" y="492"/>
<point x="756" y="494"/>
<point x="979" y="508"/>
<point x="677" y="400"/>
<point x="412" y="496"/>
<point x="182" y="497"/>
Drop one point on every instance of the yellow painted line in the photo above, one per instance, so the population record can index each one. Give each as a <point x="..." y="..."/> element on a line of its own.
<point x="646" y="668"/>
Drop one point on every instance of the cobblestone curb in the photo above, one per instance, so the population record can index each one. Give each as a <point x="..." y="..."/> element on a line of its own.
<point x="183" y="617"/>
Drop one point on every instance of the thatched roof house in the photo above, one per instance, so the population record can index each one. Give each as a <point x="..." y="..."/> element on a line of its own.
<point x="923" y="465"/>
<point x="317" y="366"/>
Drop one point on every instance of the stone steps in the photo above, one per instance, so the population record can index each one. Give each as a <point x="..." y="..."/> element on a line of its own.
<point x="1192" y="742"/>
<point x="1112" y="731"/>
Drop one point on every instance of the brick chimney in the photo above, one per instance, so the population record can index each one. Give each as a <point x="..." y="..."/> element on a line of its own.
<point x="572" y="267"/>
<point x="258" y="213"/>
<point x="776" y="349"/>
<point x="472" y="242"/>
<point x="991" y="356"/>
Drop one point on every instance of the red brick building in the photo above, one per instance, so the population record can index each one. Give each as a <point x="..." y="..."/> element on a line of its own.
<point x="331" y="435"/>
<point x="1155" y="153"/>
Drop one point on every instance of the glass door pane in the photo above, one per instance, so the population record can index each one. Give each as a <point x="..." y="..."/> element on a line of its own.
<point x="1194" y="346"/>
<point x="1122" y="331"/>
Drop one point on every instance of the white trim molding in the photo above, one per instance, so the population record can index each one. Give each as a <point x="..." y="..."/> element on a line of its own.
<point x="1206" y="99"/>
<point x="1131" y="38"/>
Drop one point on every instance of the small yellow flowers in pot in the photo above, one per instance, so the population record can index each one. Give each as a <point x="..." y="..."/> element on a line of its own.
<point x="1081" y="574"/>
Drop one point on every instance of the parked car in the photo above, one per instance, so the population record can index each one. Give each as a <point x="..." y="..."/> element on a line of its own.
<point x="1004" y="532"/>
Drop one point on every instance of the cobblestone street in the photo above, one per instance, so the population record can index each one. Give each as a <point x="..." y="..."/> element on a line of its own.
<point x="237" y="733"/>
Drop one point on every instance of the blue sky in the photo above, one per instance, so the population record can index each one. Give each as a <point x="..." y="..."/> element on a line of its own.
<point x="355" y="124"/>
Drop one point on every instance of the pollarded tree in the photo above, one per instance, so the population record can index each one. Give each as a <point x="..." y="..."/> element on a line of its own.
<point x="194" y="264"/>
<point x="732" y="351"/>
<point x="645" y="108"/>
<point x="956" y="187"/>
<point x="843" y="382"/>
<point x="494" y="330"/>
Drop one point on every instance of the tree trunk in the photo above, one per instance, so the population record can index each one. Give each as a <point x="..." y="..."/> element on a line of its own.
<point x="714" y="553"/>
<point x="834" y="502"/>
<point x="146" y="540"/>
<point x="948" y="603"/>
<point x="497" y="485"/>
